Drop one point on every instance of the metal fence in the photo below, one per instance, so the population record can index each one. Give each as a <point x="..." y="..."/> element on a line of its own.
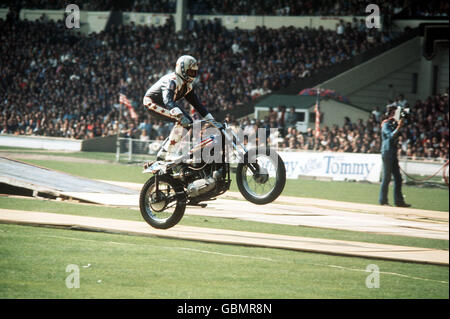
<point x="135" y="150"/>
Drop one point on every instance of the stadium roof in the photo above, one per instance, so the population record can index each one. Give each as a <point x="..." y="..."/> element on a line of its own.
<point x="299" y="102"/>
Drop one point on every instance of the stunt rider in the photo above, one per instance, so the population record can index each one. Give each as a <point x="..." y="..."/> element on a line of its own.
<point x="160" y="99"/>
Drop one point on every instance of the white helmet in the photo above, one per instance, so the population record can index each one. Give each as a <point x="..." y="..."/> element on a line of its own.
<point x="187" y="68"/>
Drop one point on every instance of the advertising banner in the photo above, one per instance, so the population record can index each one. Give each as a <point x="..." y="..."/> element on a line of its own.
<point x="338" y="166"/>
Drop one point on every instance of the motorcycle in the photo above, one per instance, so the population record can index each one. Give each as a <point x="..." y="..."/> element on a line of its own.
<point x="260" y="177"/>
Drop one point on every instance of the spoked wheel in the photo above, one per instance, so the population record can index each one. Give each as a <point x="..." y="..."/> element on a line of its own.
<point x="262" y="176"/>
<point x="162" y="208"/>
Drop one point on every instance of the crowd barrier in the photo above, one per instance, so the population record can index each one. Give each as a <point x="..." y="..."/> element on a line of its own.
<point x="337" y="166"/>
<point x="41" y="142"/>
<point x="327" y="165"/>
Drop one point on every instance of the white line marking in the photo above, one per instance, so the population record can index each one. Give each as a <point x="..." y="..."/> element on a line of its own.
<point x="164" y="247"/>
<point x="223" y="254"/>
<point x="382" y="272"/>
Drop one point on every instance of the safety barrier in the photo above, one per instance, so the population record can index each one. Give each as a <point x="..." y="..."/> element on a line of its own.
<point x="425" y="169"/>
<point x="41" y="142"/>
<point x="299" y="163"/>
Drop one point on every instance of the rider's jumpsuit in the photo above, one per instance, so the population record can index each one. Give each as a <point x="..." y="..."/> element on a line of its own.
<point x="160" y="99"/>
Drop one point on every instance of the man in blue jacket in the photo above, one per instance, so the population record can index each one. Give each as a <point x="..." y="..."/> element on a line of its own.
<point x="389" y="133"/>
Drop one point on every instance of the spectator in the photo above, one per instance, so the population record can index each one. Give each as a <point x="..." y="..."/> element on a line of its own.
<point x="376" y="112"/>
<point x="401" y="101"/>
<point x="146" y="126"/>
<point x="281" y="117"/>
<point x="144" y="136"/>
<point x="340" y="28"/>
<point x="291" y="118"/>
<point x="390" y="104"/>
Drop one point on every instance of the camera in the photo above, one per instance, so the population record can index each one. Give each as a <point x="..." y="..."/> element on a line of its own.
<point x="402" y="113"/>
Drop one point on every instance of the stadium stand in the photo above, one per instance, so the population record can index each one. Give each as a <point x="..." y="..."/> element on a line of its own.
<point x="66" y="75"/>
<point x="57" y="82"/>
<point x="94" y="5"/>
<point x="317" y="8"/>
<point x="396" y="8"/>
<point x="426" y="134"/>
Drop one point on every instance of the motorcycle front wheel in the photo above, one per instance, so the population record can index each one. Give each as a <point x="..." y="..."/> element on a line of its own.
<point x="164" y="208"/>
<point x="261" y="177"/>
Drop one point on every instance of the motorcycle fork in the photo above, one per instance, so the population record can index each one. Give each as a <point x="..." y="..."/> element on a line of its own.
<point x="255" y="170"/>
<point x="225" y="162"/>
<point x="254" y="167"/>
<point x="156" y="183"/>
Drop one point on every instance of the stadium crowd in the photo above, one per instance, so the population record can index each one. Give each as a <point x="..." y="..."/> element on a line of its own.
<point x="317" y="8"/>
<point x="67" y="83"/>
<point x="426" y="134"/>
<point x="404" y="8"/>
<point x="57" y="82"/>
<point x="93" y="5"/>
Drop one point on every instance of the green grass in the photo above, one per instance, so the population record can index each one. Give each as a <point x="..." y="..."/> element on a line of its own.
<point x="366" y="193"/>
<point x="106" y="171"/>
<point x="422" y="198"/>
<point x="18" y="149"/>
<point x="34" y="261"/>
<point x="221" y="223"/>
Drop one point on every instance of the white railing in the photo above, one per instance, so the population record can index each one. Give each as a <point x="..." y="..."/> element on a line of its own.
<point x="40" y="142"/>
<point x="136" y="150"/>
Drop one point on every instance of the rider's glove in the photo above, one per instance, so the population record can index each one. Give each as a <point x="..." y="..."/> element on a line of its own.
<point x="185" y="121"/>
<point x="211" y="120"/>
<point x="182" y="119"/>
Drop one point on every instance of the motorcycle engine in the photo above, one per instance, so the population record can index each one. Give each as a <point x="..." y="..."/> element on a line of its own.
<point x="201" y="186"/>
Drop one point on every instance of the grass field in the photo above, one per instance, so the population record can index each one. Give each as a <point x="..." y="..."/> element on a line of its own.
<point x="34" y="259"/>
<point x="34" y="262"/>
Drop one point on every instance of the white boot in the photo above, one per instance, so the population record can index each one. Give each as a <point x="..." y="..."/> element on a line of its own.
<point x="168" y="151"/>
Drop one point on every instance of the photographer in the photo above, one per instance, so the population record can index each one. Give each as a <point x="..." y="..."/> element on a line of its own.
<point x="390" y="129"/>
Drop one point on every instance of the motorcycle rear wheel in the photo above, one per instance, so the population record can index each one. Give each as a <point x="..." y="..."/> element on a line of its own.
<point x="165" y="208"/>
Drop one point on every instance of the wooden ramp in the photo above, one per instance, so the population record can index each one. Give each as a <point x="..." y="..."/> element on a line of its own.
<point x="316" y="245"/>
<point x="46" y="181"/>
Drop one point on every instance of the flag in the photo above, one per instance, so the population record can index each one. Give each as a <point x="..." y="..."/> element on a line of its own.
<point x="125" y="101"/>
<point x="317" y="110"/>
